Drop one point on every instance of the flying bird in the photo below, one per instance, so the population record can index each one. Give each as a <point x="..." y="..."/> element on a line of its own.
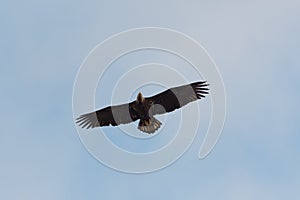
<point x="145" y="108"/>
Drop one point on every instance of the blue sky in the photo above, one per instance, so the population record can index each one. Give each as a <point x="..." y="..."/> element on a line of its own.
<point x="254" y="43"/>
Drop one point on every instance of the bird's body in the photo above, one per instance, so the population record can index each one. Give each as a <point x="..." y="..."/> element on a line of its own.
<point x="145" y="108"/>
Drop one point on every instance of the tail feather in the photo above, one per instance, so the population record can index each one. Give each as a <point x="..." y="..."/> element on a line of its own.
<point x="149" y="126"/>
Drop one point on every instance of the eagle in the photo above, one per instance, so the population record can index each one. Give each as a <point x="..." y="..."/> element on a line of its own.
<point x="145" y="108"/>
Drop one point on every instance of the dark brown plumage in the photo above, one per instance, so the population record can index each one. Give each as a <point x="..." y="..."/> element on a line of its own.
<point x="145" y="108"/>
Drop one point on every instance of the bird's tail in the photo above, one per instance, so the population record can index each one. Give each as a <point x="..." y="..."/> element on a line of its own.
<point x="149" y="126"/>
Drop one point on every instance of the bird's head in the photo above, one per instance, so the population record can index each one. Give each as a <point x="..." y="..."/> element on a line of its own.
<point x="140" y="98"/>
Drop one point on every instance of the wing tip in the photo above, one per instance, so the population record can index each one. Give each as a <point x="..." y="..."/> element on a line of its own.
<point x="201" y="89"/>
<point x="87" y="121"/>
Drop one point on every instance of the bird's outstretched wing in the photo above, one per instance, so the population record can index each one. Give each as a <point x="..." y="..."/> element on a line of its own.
<point x="111" y="115"/>
<point x="177" y="97"/>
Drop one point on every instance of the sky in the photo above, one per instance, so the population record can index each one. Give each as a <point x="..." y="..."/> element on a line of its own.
<point x="256" y="46"/>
